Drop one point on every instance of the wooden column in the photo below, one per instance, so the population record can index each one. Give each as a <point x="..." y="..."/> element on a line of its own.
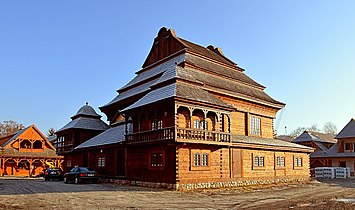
<point x="31" y="169"/>
<point x="176" y="120"/>
<point x="204" y="123"/>
<point x="191" y="113"/>
<point x="2" y="166"/>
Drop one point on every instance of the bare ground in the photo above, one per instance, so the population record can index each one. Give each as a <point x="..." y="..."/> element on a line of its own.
<point x="26" y="193"/>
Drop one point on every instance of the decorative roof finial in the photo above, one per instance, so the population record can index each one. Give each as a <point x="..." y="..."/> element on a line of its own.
<point x="87" y="103"/>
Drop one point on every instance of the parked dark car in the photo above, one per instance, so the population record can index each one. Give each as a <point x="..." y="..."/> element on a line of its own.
<point x="80" y="175"/>
<point x="53" y="173"/>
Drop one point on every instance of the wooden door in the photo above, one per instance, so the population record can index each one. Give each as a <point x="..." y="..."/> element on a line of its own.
<point x="236" y="163"/>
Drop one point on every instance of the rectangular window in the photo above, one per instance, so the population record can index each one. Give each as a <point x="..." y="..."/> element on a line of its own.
<point x="159" y="124"/>
<point x="298" y="162"/>
<point x="156" y="159"/>
<point x="68" y="162"/>
<point x="197" y="159"/>
<point x="153" y="125"/>
<point x="200" y="160"/>
<point x="259" y="161"/>
<point x="347" y="147"/>
<point x="101" y="162"/>
<point x="255" y="125"/>
<point x="204" y="161"/>
<point x="196" y="124"/>
<point x="280" y="161"/>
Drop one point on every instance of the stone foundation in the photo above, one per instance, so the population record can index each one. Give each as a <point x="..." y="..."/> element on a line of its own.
<point x="205" y="185"/>
<point x="242" y="183"/>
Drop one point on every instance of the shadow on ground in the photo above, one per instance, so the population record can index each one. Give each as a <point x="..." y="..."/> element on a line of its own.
<point x="18" y="186"/>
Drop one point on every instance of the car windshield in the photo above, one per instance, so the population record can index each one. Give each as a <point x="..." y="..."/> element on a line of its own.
<point x="85" y="169"/>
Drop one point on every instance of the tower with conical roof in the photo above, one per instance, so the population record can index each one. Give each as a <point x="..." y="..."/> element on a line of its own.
<point x="85" y="124"/>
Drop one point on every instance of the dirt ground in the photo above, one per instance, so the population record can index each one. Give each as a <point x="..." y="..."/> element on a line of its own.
<point x="26" y="193"/>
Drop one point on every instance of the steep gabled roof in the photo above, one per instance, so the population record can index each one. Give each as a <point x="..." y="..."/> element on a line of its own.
<point x="211" y="52"/>
<point x="11" y="151"/>
<point x="333" y="152"/>
<point x="167" y="37"/>
<point x="175" y="60"/>
<point x="20" y="132"/>
<point x="348" y="131"/>
<point x="308" y="136"/>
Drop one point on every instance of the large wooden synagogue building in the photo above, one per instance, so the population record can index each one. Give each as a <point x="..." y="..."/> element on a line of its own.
<point x="191" y="118"/>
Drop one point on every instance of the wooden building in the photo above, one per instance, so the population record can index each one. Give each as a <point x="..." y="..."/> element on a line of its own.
<point x="27" y="153"/>
<point x="342" y="153"/>
<point x="193" y="119"/>
<point x="321" y="142"/>
<point x="85" y="124"/>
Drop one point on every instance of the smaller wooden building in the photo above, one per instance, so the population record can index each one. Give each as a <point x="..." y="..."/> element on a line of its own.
<point x="342" y="153"/>
<point x="321" y="142"/>
<point x="27" y="153"/>
<point x="85" y="124"/>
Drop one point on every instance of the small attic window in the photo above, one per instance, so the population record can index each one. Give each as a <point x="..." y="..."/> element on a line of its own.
<point x="37" y="145"/>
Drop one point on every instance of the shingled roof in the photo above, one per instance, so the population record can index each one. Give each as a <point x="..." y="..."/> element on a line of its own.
<point x="204" y="68"/>
<point x="111" y="136"/>
<point x="180" y="91"/>
<point x="253" y="140"/>
<point x="85" y="118"/>
<point x="348" y="131"/>
<point x="333" y="152"/>
<point x="308" y="136"/>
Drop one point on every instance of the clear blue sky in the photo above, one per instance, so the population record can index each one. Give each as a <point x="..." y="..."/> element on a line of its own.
<point x="57" y="55"/>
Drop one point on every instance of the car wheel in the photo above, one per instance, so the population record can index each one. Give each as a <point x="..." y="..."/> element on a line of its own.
<point x="65" y="180"/>
<point x="76" y="181"/>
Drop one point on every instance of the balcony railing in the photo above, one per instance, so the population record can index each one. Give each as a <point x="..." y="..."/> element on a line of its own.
<point x="181" y="134"/>
<point x="202" y="135"/>
<point x="153" y="135"/>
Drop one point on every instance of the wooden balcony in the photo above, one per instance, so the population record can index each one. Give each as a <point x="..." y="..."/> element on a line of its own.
<point x="150" y="136"/>
<point x="65" y="148"/>
<point x="181" y="135"/>
<point x="202" y="135"/>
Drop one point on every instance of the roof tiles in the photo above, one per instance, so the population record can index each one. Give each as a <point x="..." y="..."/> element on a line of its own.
<point x="110" y="136"/>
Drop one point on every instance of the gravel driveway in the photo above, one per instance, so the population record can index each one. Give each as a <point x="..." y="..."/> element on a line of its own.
<point x="26" y="193"/>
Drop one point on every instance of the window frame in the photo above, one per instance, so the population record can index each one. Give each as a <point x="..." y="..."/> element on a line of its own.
<point x="297" y="162"/>
<point x="200" y="160"/>
<point x="255" y="125"/>
<point x="159" y="161"/>
<point x="280" y="162"/>
<point x="68" y="162"/>
<point x="345" y="144"/>
<point x="101" y="161"/>
<point x="258" y="162"/>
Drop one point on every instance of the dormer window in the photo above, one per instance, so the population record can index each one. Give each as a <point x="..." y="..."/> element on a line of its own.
<point x="25" y="144"/>
<point x="37" y="145"/>
<point x="347" y="147"/>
